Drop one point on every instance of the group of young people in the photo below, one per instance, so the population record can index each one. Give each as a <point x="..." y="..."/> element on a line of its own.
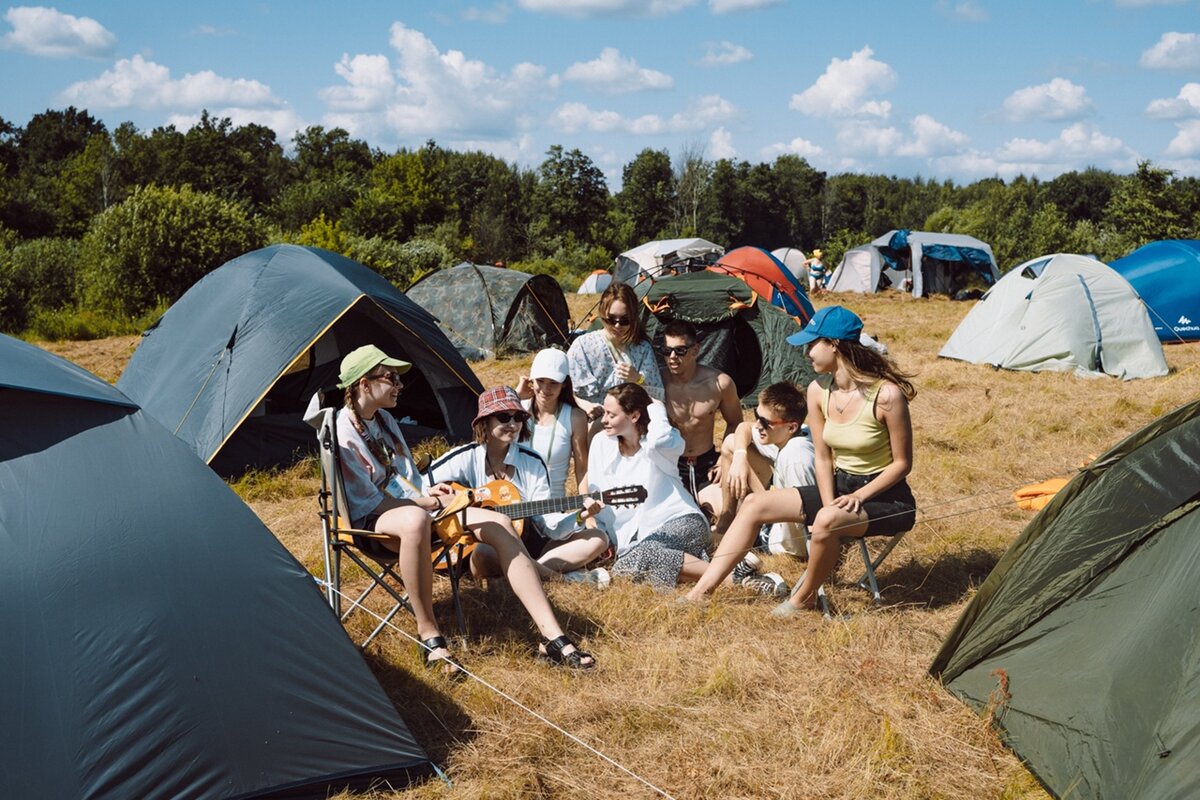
<point x="605" y="409"/>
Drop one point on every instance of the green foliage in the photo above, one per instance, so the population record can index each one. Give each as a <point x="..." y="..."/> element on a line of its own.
<point x="402" y="264"/>
<point x="326" y="235"/>
<point x="76" y="324"/>
<point x="46" y="271"/>
<point x="159" y="242"/>
<point x="647" y="196"/>
<point x="306" y="200"/>
<point x="836" y="246"/>
<point x="570" y="198"/>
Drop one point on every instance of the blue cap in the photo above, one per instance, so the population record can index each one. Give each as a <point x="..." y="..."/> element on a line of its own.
<point x="832" y="322"/>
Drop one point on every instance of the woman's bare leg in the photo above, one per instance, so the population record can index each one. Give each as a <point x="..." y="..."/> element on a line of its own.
<point x="575" y="552"/>
<point x="829" y="527"/>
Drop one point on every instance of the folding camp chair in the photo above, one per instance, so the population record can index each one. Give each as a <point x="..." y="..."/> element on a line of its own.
<point x="451" y="545"/>
<point x="867" y="581"/>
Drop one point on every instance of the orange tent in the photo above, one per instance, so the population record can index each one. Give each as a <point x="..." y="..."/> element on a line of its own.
<point x="769" y="278"/>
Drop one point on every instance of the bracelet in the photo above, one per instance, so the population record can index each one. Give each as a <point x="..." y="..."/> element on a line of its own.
<point x="641" y="379"/>
<point x="579" y="518"/>
<point x="741" y="450"/>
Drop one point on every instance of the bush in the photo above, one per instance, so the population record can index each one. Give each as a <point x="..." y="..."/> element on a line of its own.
<point x="155" y="245"/>
<point x="327" y="235"/>
<point x="402" y="264"/>
<point x="77" y="324"/>
<point x="50" y="268"/>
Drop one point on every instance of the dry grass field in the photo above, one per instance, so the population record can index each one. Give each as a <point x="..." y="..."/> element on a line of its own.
<point x="724" y="701"/>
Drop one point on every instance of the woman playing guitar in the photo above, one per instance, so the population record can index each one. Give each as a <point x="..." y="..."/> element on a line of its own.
<point x="560" y="541"/>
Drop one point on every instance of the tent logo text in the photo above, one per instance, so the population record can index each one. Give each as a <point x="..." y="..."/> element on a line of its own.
<point x="1184" y="320"/>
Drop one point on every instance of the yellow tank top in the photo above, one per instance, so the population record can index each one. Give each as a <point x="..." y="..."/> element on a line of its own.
<point x="860" y="446"/>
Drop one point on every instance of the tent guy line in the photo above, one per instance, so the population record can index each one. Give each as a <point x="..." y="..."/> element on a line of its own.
<point x="510" y="699"/>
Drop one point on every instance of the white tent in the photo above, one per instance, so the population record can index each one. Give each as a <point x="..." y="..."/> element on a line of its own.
<point x="653" y="259"/>
<point x="1062" y="312"/>
<point x="595" y="283"/>
<point x="917" y="261"/>
<point x="793" y="258"/>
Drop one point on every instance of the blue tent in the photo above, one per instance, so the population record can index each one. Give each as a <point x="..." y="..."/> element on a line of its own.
<point x="1167" y="276"/>
<point x="232" y="364"/>
<point x="158" y="641"/>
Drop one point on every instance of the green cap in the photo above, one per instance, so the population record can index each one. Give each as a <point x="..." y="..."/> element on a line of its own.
<point x="361" y="361"/>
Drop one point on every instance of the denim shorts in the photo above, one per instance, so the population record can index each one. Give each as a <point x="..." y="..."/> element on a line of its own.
<point x="889" y="513"/>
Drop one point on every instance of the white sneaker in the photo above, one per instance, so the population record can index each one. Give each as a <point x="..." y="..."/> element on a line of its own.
<point x="598" y="577"/>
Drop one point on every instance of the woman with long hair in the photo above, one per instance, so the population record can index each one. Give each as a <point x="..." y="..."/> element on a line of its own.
<point x="559" y="434"/>
<point x="387" y="494"/>
<point x="862" y="436"/>
<point x="618" y="353"/>
<point x="662" y="540"/>
<point x="559" y="541"/>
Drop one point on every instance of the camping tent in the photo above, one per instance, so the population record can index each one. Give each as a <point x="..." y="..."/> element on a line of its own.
<point x="740" y="334"/>
<point x="596" y="282"/>
<point x="793" y="258"/>
<point x="654" y="259"/>
<point x="1061" y="312"/>
<point x="489" y="310"/>
<point x="232" y="364"/>
<point x="158" y="640"/>
<point x="925" y="263"/>
<point x="767" y="276"/>
<point x="1082" y="642"/>
<point x="1167" y="276"/>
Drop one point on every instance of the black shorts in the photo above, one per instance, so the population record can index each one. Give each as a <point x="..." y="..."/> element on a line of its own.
<point x="693" y="470"/>
<point x="888" y="513"/>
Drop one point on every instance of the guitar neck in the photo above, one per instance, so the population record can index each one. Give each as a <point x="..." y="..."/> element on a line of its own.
<point x="535" y="508"/>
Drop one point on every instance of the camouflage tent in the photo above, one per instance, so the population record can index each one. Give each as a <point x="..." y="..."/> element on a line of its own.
<point x="741" y="334"/>
<point x="487" y="311"/>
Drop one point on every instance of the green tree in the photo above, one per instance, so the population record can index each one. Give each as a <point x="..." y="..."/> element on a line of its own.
<point x="1145" y="207"/>
<point x="157" y="243"/>
<point x="1081" y="195"/>
<point x="692" y="176"/>
<point x="324" y="154"/>
<point x="647" y="196"/>
<point x="407" y="192"/>
<point x="798" y="190"/>
<point x="571" y="196"/>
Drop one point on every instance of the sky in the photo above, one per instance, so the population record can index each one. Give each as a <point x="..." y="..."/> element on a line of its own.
<point x="959" y="89"/>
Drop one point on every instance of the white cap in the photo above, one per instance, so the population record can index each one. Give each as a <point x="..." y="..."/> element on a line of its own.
<point x="550" y="364"/>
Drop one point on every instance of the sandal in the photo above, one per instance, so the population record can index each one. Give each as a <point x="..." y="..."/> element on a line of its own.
<point x="552" y="651"/>
<point x="446" y="664"/>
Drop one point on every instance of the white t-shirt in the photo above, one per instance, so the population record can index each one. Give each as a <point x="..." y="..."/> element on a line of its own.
<point x="794" y="465"/>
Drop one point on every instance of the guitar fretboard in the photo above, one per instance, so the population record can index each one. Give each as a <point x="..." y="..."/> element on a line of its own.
<point x="535" y="508"/>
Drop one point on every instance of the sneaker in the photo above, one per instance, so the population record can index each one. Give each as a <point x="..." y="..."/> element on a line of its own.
<point x="598" y="577"/>
<point x="770" y="584"/>
<point x="746" y="568"/>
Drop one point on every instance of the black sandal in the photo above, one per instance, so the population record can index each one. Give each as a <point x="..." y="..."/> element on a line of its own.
<point x="552" y="650"/>
<point x="426" y="648"/>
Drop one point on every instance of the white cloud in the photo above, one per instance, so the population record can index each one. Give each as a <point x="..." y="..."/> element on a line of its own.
<point x="422" y="92"/>
<point x="931" y="138"/>
<point x="719" y="54"/>
<point x="720" y="145"/>
<point x="1173" y="51"/>
<point x="927" y="138"/>
<point x="495" y="15"/>
<point x="1078" y="144"/>
<point x="1060" y="99"/>
<point x="966" y="11"/>
<point x="606" y="8"/>
<point x="865" y="139"/>
<point x="709" y="110"/>
<point x="213" y="30"/>
<point x="1186" y="143"/>
<point x="731" y="6"/>
<point x="1146" y="3"/>
<point x="1185" y="104"/>
<point x="616" y="75"/>
<point x="798" y="146"/>
<point x="847" y="88"/>
<point x="42" y="31"/>
<point x="138" y="83"/>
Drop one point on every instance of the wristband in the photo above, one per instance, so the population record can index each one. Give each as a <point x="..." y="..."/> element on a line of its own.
<point x="741" y="450"/>
<point x="641" y="379"/>
<point x="579" y="517"/>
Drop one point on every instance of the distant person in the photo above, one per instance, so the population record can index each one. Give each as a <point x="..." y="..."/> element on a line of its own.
<point x="386" y="493"/>
<point x="559" y="541"/>
<point x="817" y="276"/>
<point x="661" y="541"/>
<point x="695" y="393"/>
<point x="618" y="353"/>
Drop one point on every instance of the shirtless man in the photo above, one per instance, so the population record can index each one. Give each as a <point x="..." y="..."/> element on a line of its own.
<point x="694" y="395"/>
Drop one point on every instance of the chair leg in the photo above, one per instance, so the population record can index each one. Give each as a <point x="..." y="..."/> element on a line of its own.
<point x="869" y="576"/>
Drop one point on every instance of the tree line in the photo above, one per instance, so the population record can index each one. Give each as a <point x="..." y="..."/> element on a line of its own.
<point x="103" y="228"/>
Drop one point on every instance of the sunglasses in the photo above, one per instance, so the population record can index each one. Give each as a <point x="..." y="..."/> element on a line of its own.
<point x="679" y="351"/>
<point x="615" y="321"/>
<point x="392" y="377"/>
<point x="505" y="417"/>
<point x="767" y="424"/>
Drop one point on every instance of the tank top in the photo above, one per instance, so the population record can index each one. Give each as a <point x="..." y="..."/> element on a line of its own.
<point x="553" y="443"/>
<point x="862" y="445"/>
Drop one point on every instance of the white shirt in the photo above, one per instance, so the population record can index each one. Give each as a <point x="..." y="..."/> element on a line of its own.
<point x="794" y="464"/>
<point x="362" y="474"/>
<point x="654" y="466"/>
<point x="468" y="465"/>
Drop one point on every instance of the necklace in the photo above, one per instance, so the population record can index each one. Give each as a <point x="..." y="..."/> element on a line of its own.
<point x="853" y="393"/>
<point x="497" y="474"/>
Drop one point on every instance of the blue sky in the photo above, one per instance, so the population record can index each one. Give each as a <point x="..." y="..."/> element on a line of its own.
<point x="957" y="89"/>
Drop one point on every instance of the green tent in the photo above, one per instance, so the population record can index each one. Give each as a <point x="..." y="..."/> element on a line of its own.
<point x="1083" y="640"/>
<point x="741" y="334"/>
<point x="490" y="311"/>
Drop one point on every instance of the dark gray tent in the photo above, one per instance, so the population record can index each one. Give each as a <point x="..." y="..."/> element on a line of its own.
<point x="487" y="311"/>
<point x="158" y="641"/>
<point x="1085" y="639"/>
<point x="232" y="364"/>
<point x="741" y="333"/>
